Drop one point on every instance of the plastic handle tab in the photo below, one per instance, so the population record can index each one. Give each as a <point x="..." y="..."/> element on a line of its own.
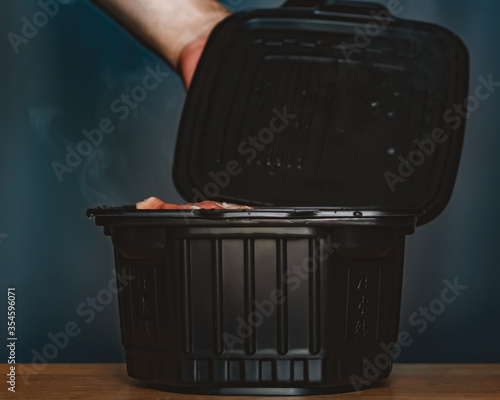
<point x="304" y="3"/>
<point x="340" y="6"/>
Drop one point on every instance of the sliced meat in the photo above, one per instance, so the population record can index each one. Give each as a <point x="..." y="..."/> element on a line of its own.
<point x="156" y="204"/>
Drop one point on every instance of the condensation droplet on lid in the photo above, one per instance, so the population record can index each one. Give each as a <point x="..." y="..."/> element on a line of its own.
<point x="374" y="103"/>
<point x="390" y="114"/>
<point x="358" y="214"/>
<point x="391" y="151"/>
<point x="304" y="93"/>
<point x="396" y="94"/>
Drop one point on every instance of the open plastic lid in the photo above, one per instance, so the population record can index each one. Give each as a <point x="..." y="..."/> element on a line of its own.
<point x="325" y="104"/>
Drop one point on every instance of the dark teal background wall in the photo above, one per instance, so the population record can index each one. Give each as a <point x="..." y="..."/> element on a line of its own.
<point x="66" y="78"/>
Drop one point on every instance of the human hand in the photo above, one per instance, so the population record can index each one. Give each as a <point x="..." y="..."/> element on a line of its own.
<point x="177" y="29"/>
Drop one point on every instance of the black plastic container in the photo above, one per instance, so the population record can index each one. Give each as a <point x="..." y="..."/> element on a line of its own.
<point x="357" y="146"/>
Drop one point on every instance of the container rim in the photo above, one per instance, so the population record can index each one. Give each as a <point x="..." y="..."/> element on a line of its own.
<point x="271" y="212"/>
<point x="129" y="216"/>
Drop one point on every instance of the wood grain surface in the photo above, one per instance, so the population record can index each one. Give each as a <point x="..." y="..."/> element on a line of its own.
<point x="110" y="381"/>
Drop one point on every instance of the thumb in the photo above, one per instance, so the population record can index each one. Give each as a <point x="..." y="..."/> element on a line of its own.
<point x="189" y="59"/>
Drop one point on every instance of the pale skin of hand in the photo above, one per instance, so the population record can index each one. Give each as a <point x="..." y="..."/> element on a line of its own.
<point x="176" y="29"/>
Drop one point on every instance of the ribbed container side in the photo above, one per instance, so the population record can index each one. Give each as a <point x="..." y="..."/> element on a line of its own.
<point x="250" y="311"/>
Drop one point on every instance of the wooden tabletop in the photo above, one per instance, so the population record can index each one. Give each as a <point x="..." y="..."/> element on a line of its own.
<point x="110" y="381"/>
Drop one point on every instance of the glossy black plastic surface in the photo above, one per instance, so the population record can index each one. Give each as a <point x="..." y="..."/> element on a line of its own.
<point x="258" y="302"/>
<point x="302" y="295"/>
<point x="329" y="106"/>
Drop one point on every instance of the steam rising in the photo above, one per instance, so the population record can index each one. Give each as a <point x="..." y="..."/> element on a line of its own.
<point x="95" y="185"/>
